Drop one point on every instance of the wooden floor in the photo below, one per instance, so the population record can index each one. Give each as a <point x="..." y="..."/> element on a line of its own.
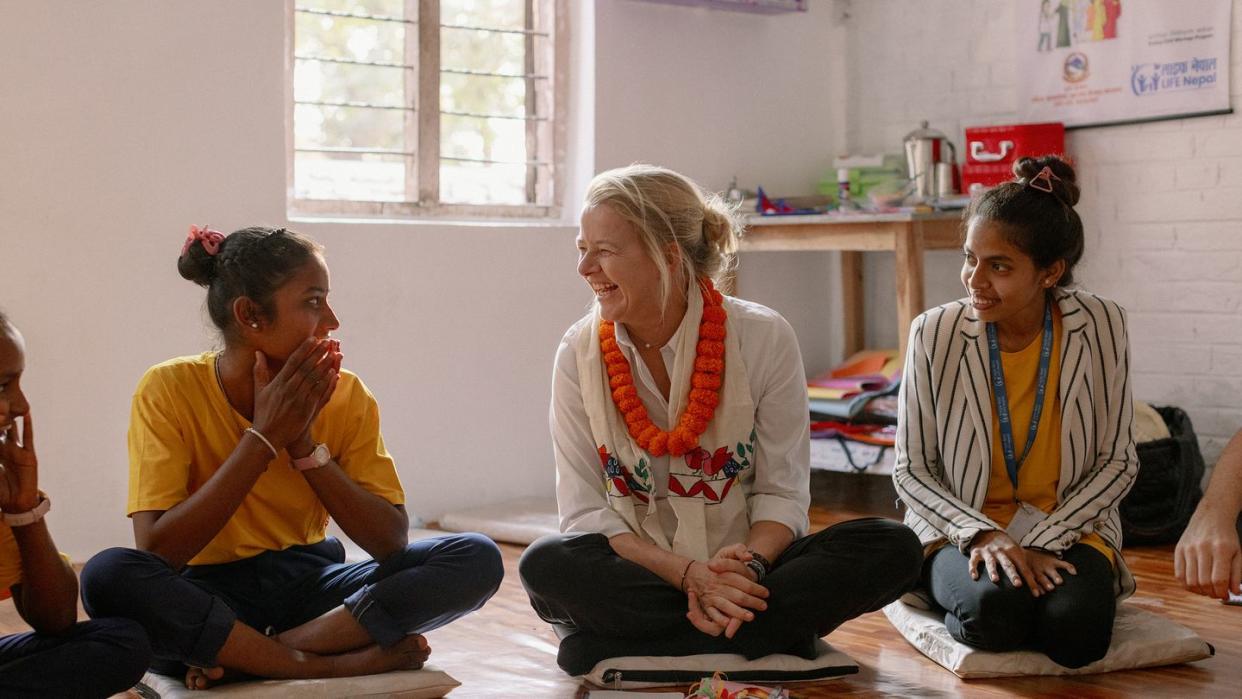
<point x="505" y="651"/>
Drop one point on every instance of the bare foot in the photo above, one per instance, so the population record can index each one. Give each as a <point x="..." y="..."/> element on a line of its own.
<point x="408" y="654"/>
<point x="202" y="677"/>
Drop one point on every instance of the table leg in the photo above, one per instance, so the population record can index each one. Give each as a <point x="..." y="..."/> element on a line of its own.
<point x="852" y="302"/>
<point x="909" y="275"/>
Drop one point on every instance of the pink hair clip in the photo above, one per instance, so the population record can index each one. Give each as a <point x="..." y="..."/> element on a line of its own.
<point x="210" y="239"/>
<point x="1043" y="181"/>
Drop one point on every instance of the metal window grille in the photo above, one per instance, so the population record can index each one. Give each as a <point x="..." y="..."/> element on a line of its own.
<point x="426" y="107"/>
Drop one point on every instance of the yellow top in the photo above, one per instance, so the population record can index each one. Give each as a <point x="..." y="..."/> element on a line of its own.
<point x="1040" y="474"/>
<point x="182" y="429"/>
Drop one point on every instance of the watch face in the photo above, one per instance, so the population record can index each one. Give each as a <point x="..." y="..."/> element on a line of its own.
<point x="321" y="454"/>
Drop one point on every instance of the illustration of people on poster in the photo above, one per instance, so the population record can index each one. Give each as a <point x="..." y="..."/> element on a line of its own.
<point x="1092" y="65"/>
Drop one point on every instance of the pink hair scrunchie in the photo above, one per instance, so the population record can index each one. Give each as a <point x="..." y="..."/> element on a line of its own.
<point x="210" y="239"/>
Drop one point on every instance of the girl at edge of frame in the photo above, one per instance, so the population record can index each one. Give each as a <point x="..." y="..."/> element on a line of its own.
<point x="1019" y="516"/>
<point x="238" y="458"/>
<point x="60" y="656"/>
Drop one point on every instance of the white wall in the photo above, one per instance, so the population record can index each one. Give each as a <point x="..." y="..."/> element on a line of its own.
<point x="126" y="121"/>
<point x="1161" y="202"/>
<point x="715" y="94"/>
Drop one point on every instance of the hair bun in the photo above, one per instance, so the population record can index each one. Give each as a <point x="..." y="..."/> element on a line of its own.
<point x="1064" y="185"/>
<point x="197" y="265"/>
<point x="720" y="224"/>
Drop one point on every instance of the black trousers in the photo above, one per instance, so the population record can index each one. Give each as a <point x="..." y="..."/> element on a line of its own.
<point x="605" y="606"/>
<point x="96" y="658"/>
<point x="1073" y="624"/>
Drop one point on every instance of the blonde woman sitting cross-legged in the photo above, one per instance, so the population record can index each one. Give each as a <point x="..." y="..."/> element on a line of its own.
<point x="680" y="428"/>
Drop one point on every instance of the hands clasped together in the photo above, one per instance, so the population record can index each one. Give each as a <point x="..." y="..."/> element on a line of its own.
<point x="723" y="593"/>
<point x="1039" y="571"/>
<point x="286" y="405"/>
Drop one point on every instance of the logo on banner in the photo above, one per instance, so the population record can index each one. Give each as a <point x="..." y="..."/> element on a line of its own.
<point x="1075" y="69"/>
<point x="1153" y="78"/>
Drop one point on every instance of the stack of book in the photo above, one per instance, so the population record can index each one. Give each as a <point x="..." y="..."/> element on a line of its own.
<point x="846" y="391"/>
<point x="854" y="413"/>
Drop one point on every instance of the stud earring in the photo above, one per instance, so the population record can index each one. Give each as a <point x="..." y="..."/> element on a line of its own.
<point x="255" y="326"/>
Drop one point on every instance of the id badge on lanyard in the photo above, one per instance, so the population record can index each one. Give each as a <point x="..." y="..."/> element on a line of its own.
<point x="1027" y="515"/>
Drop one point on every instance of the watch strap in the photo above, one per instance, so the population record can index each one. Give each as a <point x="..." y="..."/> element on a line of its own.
<point x="34" y="514"/>
<point x="757" y="567"/>
<point x="759" y="558"/>
<point x="318" y="457"/>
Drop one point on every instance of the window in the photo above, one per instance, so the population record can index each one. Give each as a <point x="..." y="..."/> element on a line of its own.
<point x="441" y="107"/>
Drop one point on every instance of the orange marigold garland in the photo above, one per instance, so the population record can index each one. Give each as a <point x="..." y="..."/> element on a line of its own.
<point x="705" y="383"/>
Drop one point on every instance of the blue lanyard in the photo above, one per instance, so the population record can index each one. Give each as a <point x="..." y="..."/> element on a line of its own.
<point x="1012" y="463"/>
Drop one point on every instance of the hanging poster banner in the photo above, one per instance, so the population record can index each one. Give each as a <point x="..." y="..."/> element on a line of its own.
<point x="1095" y="62"/>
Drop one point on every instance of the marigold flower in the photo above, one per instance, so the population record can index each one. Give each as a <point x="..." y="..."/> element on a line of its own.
<point x="710" y="365"/>
<point x="621" y="393"/>
<point x="705" y="383"/>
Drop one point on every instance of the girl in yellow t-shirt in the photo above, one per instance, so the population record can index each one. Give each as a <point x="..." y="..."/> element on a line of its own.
<point x="238" y="458"/>
<point x="1015" y="445"/>
<point x="61" y="656"/>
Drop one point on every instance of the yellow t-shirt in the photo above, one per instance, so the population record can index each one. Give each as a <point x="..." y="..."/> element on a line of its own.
<point x="182" y="429"/>
<point x="1040" y="474"/>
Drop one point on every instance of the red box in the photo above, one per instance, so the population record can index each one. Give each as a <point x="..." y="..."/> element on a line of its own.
<point x="992" y="150"/>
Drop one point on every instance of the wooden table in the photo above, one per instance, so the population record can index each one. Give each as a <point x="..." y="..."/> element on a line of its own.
<point x="907" y="235"/>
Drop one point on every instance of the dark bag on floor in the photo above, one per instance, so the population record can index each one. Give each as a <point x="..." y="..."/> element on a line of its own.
<point x="1168" y="487"/>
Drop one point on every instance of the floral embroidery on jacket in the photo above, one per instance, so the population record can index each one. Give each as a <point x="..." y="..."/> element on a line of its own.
<point x="620" y="482"/>
<point x="713" y="473"/>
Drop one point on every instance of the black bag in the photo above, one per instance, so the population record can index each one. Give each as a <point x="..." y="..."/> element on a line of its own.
<point x="1167" y="489"/>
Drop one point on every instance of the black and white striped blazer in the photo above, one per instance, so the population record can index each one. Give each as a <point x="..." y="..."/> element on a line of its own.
<point x="944" y="431"/>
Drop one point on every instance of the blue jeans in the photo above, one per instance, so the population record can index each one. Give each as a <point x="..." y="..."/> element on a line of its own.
<point x="188" y="615"/>
<point x="92" y="659"/>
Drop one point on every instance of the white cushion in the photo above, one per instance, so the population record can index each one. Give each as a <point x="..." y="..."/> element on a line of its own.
<point x="1140" y="639"/>
<point x="518" y="521"/>
<point x="637" y="672"/>
<point x="426" y="683"/>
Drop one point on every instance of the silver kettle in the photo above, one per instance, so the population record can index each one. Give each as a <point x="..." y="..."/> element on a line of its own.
<point x="924" y="149"/>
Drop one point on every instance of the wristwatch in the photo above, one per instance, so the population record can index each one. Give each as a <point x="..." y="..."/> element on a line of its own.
<point x="759" y="564"/>
<point x="757" y="568"/>
<point x="319" y="456"/>
<point x="34" y="514"/>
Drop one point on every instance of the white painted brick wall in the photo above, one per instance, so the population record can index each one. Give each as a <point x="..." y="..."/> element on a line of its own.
<point x="1162" y="202"/>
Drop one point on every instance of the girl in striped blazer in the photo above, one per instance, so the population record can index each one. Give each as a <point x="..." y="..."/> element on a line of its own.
<point x="1015" y="444"/>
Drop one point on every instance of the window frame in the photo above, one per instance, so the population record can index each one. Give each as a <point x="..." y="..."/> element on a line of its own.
<point x="547" y="81"/>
